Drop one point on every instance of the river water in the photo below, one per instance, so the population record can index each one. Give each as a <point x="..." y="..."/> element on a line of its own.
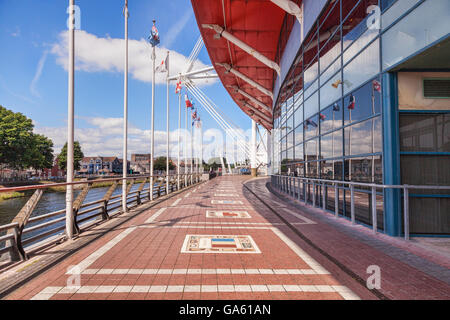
<point x="50" y="201"/>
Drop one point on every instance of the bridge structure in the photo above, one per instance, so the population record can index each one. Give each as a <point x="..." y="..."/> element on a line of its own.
<point x="192" y="236"/>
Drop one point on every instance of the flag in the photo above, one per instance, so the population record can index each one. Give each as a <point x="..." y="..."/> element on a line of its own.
<point x="322" y="116"/>
<point x="311" y="122"/>
<point x="376" y="85"/>
<point x="336" y="107"/>
<point x="336" y="83"/>
<point x="352" y="102"/>
<point x="154" y="35"/>
<point x="199" y="123"/>
<point x="188" y="102"/>
<point x="164" y="66"/>
<point x="178" y="88"/>
<point x="194" y="115"/>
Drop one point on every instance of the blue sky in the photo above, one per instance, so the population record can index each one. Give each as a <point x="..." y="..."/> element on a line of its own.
<point x="33" y="79"/>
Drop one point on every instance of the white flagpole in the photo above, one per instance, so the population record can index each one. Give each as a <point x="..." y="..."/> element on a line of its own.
<point x="186" y="151"/>
<point x="153" y="124"/>
<point x="192" y="149"/>
<point x="167" y="114"/>
<point x="70" y="123"/>
<point x="179" y="136"/>
<point x="125" y="116"/>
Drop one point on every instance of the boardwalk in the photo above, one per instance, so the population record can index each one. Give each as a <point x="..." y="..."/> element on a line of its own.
<point x="216" y="241"/>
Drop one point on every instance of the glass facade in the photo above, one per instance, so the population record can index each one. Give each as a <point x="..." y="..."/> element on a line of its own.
<point x="328" y="117"/>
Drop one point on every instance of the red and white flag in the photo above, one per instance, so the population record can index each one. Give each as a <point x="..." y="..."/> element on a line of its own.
<point x="178" y="88"/>
<point x="376" y="85"/>
<point x="188" y="102"/>
<point x="164" y="66"/>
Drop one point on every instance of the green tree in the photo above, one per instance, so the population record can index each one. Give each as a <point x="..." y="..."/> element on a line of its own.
<point x="160" y="164"/>
<point x="77" y="156"/>
<point x="40" y="154"/>
<point x="16" y="134"/>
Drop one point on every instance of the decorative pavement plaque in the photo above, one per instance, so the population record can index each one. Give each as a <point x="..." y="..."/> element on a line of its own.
<point x="219" y="244"/>
<point x="225" y="195"/>
<point x="227" y="214"/>
<point x="226" y="202"/>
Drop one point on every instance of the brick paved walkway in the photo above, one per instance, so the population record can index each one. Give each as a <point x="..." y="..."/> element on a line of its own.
<point x="218" y="241"/>
<point x="208" y="243"/>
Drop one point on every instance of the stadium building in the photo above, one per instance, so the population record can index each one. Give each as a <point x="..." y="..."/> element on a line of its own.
<point x="351" y="91"/>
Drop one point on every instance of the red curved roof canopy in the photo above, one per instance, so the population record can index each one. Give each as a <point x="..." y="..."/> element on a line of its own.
<point x="257" y="23"/>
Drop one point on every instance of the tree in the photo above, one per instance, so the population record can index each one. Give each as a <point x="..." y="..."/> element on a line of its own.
<point x="160" y="164"/>
<point x="77" y="156"/>
<point x="40" y="155"/>
<point x="16" y="133"/>
<point x="19" y="146"/>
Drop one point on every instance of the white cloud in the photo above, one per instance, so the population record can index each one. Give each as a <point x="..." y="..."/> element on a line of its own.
<point x="105" y="138"/>
<point x="176" y="29"/>
<point x="38" y="74"/>
<point x="96" y="54"/>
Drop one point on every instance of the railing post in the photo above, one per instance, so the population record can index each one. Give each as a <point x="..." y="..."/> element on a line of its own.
<point x="305" y="190"/>
<point x="324" y="206"/>
<point x="336" y="201"/>
<point x="352" y="203"/>
<point x="374" y="209"/>
<point x="406" y="211"/>
<point x="314" y="194"/>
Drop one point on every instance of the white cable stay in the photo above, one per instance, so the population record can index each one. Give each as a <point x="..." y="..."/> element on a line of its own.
<point x="211" y="106"/>
<point x="201" y="98"/>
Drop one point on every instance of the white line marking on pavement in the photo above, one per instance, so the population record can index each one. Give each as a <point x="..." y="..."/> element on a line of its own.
<point x="49" y="292"/>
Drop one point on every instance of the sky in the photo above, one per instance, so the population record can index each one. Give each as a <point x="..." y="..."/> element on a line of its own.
<point x="33" y="72"/>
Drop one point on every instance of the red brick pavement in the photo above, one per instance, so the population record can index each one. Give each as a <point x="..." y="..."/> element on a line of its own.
<point x="144" y="258"/>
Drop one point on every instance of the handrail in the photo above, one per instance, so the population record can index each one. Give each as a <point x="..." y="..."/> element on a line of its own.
<point x="46" y="229"/>
<point x="284" y="184"/>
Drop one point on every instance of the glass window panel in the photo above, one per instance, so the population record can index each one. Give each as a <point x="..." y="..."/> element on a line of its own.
<point x="358" y="169"/>
<point x="359" y="44"/>
<point x="311" y="126"/>
<point x="425" y="169"/>
<point x="299" y="152"/>
<point x="395" y="11"/>
<point x="312" y="170"/>
<point x="311" y="149"/>
<point x="377" y="135"/>
<point x="290" y="154"/>
<point x="313" y="87"/>
<point x="311" y="105"/>
<point x="425" y="25"/>
<point x="356" y="18"/>
<point x="298" y="116"/>
<point x="367" y="103"/>
<point x="330" y="91"/>
<point x="358" y="138"/>
<point x="425" y="132"/>
<point x="363" y="67"/>
<point x="311" y="73"/>
<point x="330" y="71"/>
<point x="331" y="145"/>
<point x="331" y="118"/>
<point x="300" y="169"/>
<point x="299" y="134"/>
<point x="290" y="123"/>
<point x="290" y="139"/>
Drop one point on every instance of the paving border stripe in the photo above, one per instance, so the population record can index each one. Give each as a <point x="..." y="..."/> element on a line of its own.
<point x="345" y="269"/>
<point x="259" y="271"/>
<point x="48" y="292"/>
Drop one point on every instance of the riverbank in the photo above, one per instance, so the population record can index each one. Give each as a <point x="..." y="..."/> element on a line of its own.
<point x="81" y="186"/>
<point x="10" y="195"/>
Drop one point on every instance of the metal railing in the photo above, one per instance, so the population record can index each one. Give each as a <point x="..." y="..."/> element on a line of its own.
<point x="27" y="234"/>
<point x="298" y="187"/>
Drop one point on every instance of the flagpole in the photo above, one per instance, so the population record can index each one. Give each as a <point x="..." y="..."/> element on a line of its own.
<point x="186" y="151"/>
<point x="179" y="136"/>
<point x="153" y="122"/>
<point x="373" y="130"/>
<point x="168" y="137"/>
<point x="70" y="123"/>
<point x="192" y="150"/>
<point x="125" y="116"/>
